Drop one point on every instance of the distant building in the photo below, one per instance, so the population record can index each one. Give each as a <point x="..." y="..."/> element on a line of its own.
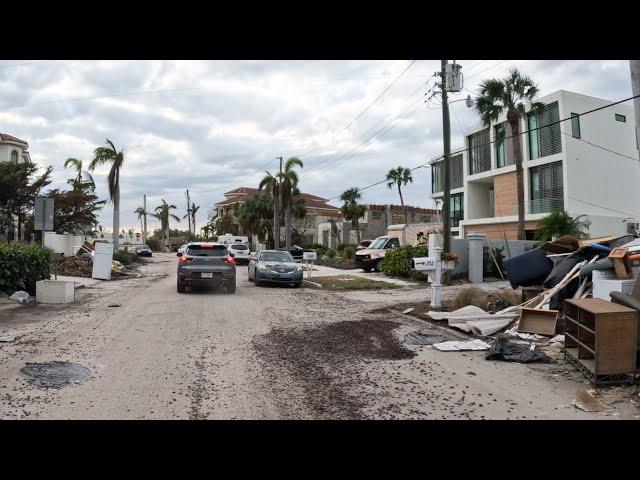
<point x="16" y="151"/>
<point x="584" y="166"/>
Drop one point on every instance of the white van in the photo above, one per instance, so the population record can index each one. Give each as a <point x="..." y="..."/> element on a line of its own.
<point x="228" y="239"/>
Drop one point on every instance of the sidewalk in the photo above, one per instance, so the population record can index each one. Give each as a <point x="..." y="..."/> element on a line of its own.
<point x="80" y="282"/>
<point x="324" y="271"/>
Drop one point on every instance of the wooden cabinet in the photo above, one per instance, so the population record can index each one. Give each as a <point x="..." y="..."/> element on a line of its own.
<point x="601" y="339"/>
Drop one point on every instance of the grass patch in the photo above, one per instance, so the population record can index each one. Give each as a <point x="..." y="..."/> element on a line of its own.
<point x="351" y="282"/>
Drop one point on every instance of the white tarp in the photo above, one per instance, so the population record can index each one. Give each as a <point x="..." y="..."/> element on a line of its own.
<point x="454" y="346"/>
<point x="476" y="320"/>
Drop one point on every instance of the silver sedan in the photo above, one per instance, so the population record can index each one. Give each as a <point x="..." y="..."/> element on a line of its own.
<point x="274" y="266"/>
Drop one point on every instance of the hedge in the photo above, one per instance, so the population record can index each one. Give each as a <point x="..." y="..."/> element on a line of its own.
<point x="21" y="266"/>
<point x="397" y="262"/>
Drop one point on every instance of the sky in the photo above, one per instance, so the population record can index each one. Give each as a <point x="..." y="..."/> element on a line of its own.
<point x="212" y="126"/>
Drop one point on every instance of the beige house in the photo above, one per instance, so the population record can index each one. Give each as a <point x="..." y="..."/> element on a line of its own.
<point x="16" y="151"/>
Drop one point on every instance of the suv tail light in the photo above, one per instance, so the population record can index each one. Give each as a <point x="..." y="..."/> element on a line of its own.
<point x="184" y="259"/>
<point x="229" y="259"/>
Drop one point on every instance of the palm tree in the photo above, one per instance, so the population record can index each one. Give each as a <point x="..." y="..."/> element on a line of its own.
<point x="102" y="155"/>
<point x="559" y="224"/>
<point x="270" y="184"/>
<point x="142" y="213"/>
<point x="510" y="96"/>
<point x="163" y="213"/>
<point x="288" y="182"/>
<point x="194" y="210"/>
<point x="206" y="229"/>
<point x="255" y="215"/>
<point x="400" y="177"/>
<point x="83" y="178"/>
<point x="352" y="210"/>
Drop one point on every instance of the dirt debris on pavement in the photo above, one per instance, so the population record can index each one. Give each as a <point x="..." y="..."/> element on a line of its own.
<point x="55" y="374"/>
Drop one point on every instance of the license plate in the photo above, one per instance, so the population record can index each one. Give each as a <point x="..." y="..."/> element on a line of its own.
<point x="206" y="275"/>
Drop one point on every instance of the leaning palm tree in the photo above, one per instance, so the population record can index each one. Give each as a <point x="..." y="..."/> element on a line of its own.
<point x="163" y="212"/>
<point x="288" y="182"/>
<point x="270" y="184"/>
<point x="142" y="214"/>
<point x="400" y="177"/>
<point x="352" y="210"/>
<point x="510" y="96"/>
<point x="83" y="178"/>
<point x="194" y="210"/>
<point x="102" y="155"/>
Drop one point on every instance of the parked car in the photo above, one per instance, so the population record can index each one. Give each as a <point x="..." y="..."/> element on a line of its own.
<point x="206" y="264"/>
<point x="363" y="244"/>
<point x="369" y="258"/>
<point x="239" y="251"/>
<point x="297" y="252"/>
<point x="143" y="251"/>
<point x="274" y="266"/>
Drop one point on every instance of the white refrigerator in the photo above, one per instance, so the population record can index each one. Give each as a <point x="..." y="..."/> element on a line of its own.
<point x="102" y="261"/>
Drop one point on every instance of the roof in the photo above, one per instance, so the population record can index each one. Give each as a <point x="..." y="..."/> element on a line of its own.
<point x="11" y="139"/>
<point x="239" y="195"/>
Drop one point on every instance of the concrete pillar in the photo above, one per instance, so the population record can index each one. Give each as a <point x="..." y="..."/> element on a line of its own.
<point x="476" y="244"/>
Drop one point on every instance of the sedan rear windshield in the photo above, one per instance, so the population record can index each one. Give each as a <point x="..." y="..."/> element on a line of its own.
<point x="205" y="251"/>
<point x="239" y="247"/>
<point x="276" y="257"/>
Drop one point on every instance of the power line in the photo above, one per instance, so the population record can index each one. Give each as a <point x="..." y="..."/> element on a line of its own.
<point x="235" y="181"/>
<point x="487" y="69"/>
<point x="606" y="208"/>
<point x="18" y="64"/>
<point x="601" y="147"/>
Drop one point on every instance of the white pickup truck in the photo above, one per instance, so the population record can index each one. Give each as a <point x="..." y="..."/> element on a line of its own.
<point x="369" y="258"/>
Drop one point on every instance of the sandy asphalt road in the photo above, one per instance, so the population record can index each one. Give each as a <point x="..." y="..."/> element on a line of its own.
<point x="261" y="353"/>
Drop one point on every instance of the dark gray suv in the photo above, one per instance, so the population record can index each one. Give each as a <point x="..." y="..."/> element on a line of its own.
<point x="206" y="264"/>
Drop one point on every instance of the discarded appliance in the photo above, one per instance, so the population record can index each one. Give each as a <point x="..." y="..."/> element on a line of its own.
<point x="102" y="261"/>
<point x="605" y="282"/>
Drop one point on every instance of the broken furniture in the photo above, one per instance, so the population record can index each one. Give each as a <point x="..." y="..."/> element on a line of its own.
<point x="621" y="262"/>
<point x="528" y="268"/>
<point x="542" y="322"/>
<point x="55" y="291"/>
<point x="600" y="340"/>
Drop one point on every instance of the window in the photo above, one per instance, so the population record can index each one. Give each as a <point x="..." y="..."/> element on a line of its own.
<point x="479" y="152"/>
<point x="545" y="138"/>
<point x="377" y="215"/>
<point x="455" y="174"/>
<point x="546" y="188"/>
<point x="392" y="243"/>
<point x="621" y="118"/>
<point x="456" y="209"/>
<point x="491" y="200"/>
<point x="437" y="177"/>
<point x="575" y="125"/>
<point x="500" y="160"/>
<point x="14" y="156"/>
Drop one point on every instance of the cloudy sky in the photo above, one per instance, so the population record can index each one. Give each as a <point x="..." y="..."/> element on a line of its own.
<point x="211" y="126"/>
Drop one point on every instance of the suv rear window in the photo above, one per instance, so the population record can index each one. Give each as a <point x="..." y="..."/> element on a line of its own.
<point x="207" y="250"/>
<point x="238" y="247"/>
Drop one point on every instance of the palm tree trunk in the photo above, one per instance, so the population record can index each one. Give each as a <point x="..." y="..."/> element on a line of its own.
<point x="514" y="123"/>
<point x="404" y="209"/>
<point x="194" y="224"/>
<point x="357" y="225"/>
<point x="276" y="219"/>
<point x="145" y="228"/>
<point x="116" y="219"/>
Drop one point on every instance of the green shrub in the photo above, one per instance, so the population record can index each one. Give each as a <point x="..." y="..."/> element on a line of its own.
<point x="21" y="266"/>
<point x="125" y="258"/>
<point x="331" y="253"/>
<point x="154" y="244"/>
<point x="397" y="262"/>
<point x="349" y="252"/>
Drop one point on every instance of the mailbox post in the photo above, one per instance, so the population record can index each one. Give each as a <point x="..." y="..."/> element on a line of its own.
<point x="309" y="257"/>
<point x="434" y="268"/>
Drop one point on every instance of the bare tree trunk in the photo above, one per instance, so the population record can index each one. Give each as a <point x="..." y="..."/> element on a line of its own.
<point x="404" y="209"/>
<point x="116" y="219"/>
<point x="514" y="123"/>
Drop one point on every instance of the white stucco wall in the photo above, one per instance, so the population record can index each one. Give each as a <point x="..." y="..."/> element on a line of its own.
<point x="5" y="152"/>
<point x="66" y="244"/>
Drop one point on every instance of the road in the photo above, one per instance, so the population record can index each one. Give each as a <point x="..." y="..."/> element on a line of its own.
<point x="261" y="353"/>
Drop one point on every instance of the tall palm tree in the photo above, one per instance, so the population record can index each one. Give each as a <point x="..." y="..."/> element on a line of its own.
<point x="288" y="182"/>
<point x="510" y="96"/>
<point x="352" y="210"/>
<point x="142" y="214"/>
<point x="83" y="178"/>
<point x="102" y="155"/>
<point x="206" y="229"/>
<point x="400" y="177"/>
<point x="163" y="213"/>
<point x="194" y="210"/>
<point x="270" y="184"/>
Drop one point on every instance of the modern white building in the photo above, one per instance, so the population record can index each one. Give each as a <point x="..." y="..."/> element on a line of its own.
<point x="587" y="165"/>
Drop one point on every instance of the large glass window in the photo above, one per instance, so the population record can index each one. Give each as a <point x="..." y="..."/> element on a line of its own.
<point x="575" y="125"/>
<point x="479" y="152"/>
<point x="491" y="201"/>
<point x="546" y="188"/>
<point x="14" y="156"/>
<point x="500" y="158"/>
<point x="437" y="174"/>
<point x="545" y="138"/>
<point x="456" y="206"/>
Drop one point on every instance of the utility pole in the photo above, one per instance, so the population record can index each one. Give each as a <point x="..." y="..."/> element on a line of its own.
<point x="144" y="205"/>
<point x="635" y="88"/>
<point x="446" y="142"/>
<point x="276" y="210"/>
<point x="189" y="210"/>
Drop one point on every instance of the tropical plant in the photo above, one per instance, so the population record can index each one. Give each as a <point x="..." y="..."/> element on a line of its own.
<point x="559" y="224"/>
<point x="288" y="182"/>
<point x="142" y="214"/>
<point x="194" y="209"/>
<point x="514" y="96"/>
<point x="75" y="211"/>
<point x="104" y="155"/>
<point x="400" y="177"/>
<point x="224" y="225"/>
<point x="352" y="210"/>
<point x="83" y="178"/>
<point x="270" y="184"/>
<point x="163" y="213"/>
<point x="255" y="215"/>
<point x="206" y="230"/>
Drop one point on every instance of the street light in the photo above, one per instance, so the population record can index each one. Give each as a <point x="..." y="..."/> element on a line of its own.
<point x="468" y="101"/>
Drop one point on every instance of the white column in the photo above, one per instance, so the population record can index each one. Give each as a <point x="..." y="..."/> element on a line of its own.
<point x="476" y="244"/>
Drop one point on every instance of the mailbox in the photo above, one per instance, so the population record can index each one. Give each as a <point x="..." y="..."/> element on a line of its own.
<point x="423" y="264"/>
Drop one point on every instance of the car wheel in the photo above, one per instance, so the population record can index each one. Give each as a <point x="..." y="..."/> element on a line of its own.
<point x="256" y="281"/>
<point x="297" y="285"/>
<point x="180" y="287"/>
<point x="366" y="269"/>
<point x="231" y="288"/>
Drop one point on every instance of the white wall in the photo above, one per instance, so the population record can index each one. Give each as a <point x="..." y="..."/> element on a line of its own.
<point x="5" y="152"/>
<point x="66" y="244"/>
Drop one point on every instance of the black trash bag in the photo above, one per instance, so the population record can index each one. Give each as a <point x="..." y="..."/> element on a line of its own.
<point x="528" y="268"/>
<point x="514" y="352"/>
